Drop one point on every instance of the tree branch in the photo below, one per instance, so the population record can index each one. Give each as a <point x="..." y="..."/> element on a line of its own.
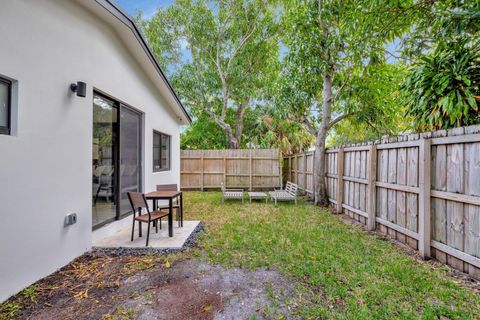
<point x="242" y="43"/>
<point x="338" y="119"/>
<point x="306" y="121"/>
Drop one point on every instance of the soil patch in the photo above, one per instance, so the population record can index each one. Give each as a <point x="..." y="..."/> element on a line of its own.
<point x="97" y="286"/>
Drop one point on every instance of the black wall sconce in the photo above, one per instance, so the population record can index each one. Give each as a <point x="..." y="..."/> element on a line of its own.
<point x="80" y="88"/>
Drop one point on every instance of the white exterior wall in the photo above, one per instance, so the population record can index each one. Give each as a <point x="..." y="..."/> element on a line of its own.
<point x="46" y="165"/>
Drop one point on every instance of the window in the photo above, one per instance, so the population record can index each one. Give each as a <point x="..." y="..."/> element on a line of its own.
<point x="5" y="97"/>
<point x="161" y="151"/>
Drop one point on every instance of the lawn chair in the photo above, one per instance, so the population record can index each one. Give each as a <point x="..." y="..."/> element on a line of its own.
<point x="229" y="194"/>
<point x="176" y="205"/>
<point x="138" y="202"/>
<point x="288" y="194"/>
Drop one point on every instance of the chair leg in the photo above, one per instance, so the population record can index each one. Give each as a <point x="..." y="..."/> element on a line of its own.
<point x="140" y="229"/>
<point x="133" y="225"/>
<point x="148" y="233"/>
<point x="156" y="226"/>
<point x="96" y="196"/>
<point x="160" y="222"/>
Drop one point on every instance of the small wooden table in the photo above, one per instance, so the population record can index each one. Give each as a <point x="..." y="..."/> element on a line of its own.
<point x="166" y="195"/>
<point x="257" y="195"/>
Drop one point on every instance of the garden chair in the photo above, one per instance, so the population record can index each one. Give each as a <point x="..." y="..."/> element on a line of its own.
<point x="287" y="194"/>
<point x="138" y="202"/>
<point x="229" y="194"/>
<point x="176" y="205"/>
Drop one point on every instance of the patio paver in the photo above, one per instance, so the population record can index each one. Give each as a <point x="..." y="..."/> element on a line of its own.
<point x="117" y="235"/>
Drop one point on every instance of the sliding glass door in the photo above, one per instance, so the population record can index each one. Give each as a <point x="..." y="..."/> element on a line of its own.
<point x="130" y="155"/>
<point x="116" y="158"/>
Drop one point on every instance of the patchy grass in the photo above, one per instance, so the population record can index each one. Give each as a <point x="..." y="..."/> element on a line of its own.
<point x="334" y="270"/>
<point x="341" y="271"/>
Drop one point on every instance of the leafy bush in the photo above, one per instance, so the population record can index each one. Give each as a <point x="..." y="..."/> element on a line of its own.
<point x="443" y="87"/>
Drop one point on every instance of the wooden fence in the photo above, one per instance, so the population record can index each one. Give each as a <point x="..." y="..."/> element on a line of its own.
<point x="423" y="190"/>
<point x="252" y="169"/>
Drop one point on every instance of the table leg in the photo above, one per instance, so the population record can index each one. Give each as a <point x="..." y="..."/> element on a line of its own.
<point x="181" y="209"/>
<point x="170" y="218"/>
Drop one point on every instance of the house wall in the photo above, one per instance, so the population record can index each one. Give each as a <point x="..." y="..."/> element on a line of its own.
<point x="46" y="164"/>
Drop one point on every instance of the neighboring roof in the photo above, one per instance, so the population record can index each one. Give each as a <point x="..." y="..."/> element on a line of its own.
<point x="128" y="21"/>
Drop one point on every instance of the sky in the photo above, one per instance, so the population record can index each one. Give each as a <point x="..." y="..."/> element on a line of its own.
<point x="148" y="7"/>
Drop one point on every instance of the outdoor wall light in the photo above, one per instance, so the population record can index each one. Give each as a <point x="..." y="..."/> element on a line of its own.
<point x="80" y="88"/>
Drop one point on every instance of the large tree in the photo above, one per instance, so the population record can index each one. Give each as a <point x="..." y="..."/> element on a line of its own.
<point x="332" y="46"/>
<point x="226" y="54"/>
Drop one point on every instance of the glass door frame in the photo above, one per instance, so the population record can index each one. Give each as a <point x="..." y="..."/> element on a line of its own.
<point x="123" y="106"/>
<point x="119" y="105"/>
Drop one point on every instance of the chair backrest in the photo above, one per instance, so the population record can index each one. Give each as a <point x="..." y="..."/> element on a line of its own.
<point x="137" y="200"/>
<point x="167" y="187"/>
<point x="291" y="188"/>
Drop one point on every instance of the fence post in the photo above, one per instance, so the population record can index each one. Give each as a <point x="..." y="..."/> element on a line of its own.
<point x="340" y="159"/>
<point x="372" y="190"/>
<point x="424" y="231"/>
<point x="295" y="159"/>
<point x="250" y="166"/>
<point x="224" y="169"/>
<point x="313" y="175"/>
<point x="202" y="168"/>
<point x="305" y="173"/>
<point x="289" y="168"/>
<point x="281" y="160"/>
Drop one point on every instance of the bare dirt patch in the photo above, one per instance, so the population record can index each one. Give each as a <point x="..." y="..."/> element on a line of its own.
<point x="151" y="287"/>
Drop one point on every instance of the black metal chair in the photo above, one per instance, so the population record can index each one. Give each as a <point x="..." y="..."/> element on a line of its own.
<point x="139" y="202"/>
<point x="176" y="205"/>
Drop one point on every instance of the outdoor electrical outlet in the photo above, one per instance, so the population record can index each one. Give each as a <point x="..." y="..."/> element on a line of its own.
<point x="70" y="219"/>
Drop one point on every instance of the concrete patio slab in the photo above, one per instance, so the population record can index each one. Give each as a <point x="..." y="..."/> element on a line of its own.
<point x="117" y="235"/>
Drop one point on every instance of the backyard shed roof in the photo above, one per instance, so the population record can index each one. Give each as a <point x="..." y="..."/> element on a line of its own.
<point x="124" y="25"/>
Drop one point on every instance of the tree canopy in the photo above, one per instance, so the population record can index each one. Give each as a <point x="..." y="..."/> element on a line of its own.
<point x="294" y="74"/>
<point x="231" y="53"/>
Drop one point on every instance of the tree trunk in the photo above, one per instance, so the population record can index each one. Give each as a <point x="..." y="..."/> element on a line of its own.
<point x="239" y="122"/>
<point x="233" y="142"/>
<point x="321" y="196"/>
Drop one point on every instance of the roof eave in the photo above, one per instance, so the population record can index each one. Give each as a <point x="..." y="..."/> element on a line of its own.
<point x="126" y="19"/>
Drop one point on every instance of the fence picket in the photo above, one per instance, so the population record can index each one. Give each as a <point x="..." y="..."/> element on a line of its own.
<point x="426" y="193"/>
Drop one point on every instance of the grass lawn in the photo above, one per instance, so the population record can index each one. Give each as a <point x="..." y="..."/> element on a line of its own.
<point x="340" y="271"/>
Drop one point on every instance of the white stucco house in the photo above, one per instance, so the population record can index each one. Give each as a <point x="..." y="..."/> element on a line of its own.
<point x="64" y="151"/>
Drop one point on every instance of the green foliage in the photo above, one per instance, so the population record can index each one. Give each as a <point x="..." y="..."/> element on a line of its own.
<point x="377" y="95"/>
<point x="443" y="85"/>
<point x="348" y="40"/>
<point x="203" y="133"/>
<point x="439" y="23"/>
<point x="232" y="56"/>
<point x="11" y="307"/>
<point x="275" y="131"/>
<point x="444" y="78"/>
